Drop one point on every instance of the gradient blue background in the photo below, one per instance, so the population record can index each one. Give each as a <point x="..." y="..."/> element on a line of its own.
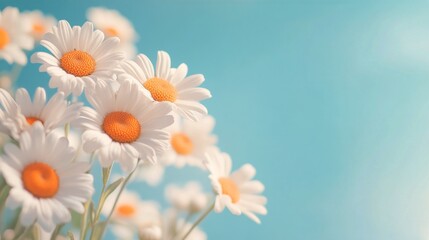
<point x="328" y="99"/>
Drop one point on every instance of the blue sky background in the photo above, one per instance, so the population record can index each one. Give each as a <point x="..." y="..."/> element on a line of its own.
<point x="328" y="99"/>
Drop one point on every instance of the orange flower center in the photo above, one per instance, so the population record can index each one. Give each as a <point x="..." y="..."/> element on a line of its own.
<point x="38" y="29"/>
<point x="181" y="143"/>
<point x="161" y="90"/>
<point x="78" y="63"/>
<point x="121" y="127"/>
<point x="32" y="120"/>
<point x="111" y="32"/>
<point x="4" y="38"/>
<point x="126" y="210"/>
<point x="41" y="180"/>
<point x="230" y="188"/>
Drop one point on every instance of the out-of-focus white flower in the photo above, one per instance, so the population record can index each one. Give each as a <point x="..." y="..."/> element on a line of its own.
<point x="190" y="198"/>
<point x="174" y="88"/>
<point x="37" y="23"/>
<point x="114" y="24"/>
<point x="237" y="191"/>
<point x="124" y="126"/>
<point x="19" y="114"/>
<point x="6" y="82"/>
<point x="175" y="228"/>
<point x="150" y="173"/>
<point x="190" y="141"/>
<point x="13" y="37"/>
<point x="78" y="56"/>
<point x="44" y="181"/>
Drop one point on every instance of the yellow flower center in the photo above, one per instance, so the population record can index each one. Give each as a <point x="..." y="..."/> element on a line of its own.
<point x="111" y="32"/>
<point x="32" y="120"/>
<point x="38" y="29"/>
<point x="121" y="127"/>
<point x="181" y="143"/>
<point x="4" y="38"/>
<point x="126" y="210"/>
<point x="41" y="180"/>
<point x="78" y="63"/>
<point x="161" y="90"/>
<point x="230" y="188"/>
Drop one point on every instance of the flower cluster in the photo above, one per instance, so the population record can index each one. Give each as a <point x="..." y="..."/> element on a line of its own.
<point x="141" y="116"/>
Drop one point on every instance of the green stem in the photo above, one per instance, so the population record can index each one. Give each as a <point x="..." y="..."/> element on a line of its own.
<point x="15" y="72"/>
<point x="25" y="233"/>
<point x="67" y="130"/>
<point x="56" y="231"/>
<point x="83" y="223"/>
<point x="199" y="220"/>
<point x="102" y="199"/>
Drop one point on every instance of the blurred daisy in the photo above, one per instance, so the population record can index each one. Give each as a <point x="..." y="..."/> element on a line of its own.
<point x="162" y="85"/>
<point x="131" y="213"/>
<point x="174" y="228"/>
<point x="150" y="173"/>
<point x="19" y="114"/>
<point x="6" y="82"/>
<point x="13" y="37"/>
<point x="37" y="23"/>
<point x="78" y="56"/>
<point x="124" y="125"/>
<point x="237" y="191"/>
<point x="190" y="141"/>
<point x="44" y="181"/>
<point x="113" y="24"/>
<point x="189" y="198"/>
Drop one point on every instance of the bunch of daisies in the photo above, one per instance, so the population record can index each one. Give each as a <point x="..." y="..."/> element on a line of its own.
<point x="112" y="107"/>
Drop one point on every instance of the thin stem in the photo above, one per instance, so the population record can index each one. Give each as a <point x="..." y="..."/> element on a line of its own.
<point x="25" y="233"/>
<point x="199" y="220"/>
<point x="101" y="200"/>
<point x="15" y="72"/>
<point x="56" y="231"/>
<point x="67" y="130"/>
<point x="83" y="223"/>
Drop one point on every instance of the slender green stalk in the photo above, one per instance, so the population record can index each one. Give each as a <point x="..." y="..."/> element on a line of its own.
<point x="67" y="130"/>
<point x="199" y="220"/>
<point x="84" y="222"/>
<point x="26" y="232"/>
<point x="102" y="199"/>
<point x="56" y="231"/>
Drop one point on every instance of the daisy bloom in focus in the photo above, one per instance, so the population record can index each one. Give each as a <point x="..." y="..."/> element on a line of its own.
<point x="44" y="181"/>
<point x="131" y="213"/>
<point x="113" y="24"/>
<point x="237" y="191"/>
<point x="19" y="114"/>
<point x="174" y="88"/>
<point x="37" y="23"/>
<point x="190" y="141"/>
<point x="13" y="37"/>
<point x="124" y="125"/>
<point x="78" y="56"/>
<point x="189" y="198"/>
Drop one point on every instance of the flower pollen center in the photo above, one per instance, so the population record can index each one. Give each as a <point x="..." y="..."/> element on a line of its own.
<point x="230" y="188"/>
<point x="32" y="120"/>
<point x="78" y="63"/>
<point x="182" y="144"/>
<point x="38" y="29"/>
<point x="4" y="38"/>
<point x="126" y="210"/>
<point x="41" y="180"/>
<point x="161" y="90"/>
<point x="121" y="127"/>
<point x="111" y="32"/>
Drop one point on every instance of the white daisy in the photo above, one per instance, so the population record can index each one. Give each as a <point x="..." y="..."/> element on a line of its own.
<point x="78" y="56"/>
<point x="37" y="23"/>
<point x="124" y="125"/>
<point x="114" y="24"/>
<point x="189" y="198"/>
<point x="13" y="37"/>
<point x="190" y="141"/>
<point x="237" y="191"/>
<point x="162" y="85"/>
<point x="19" y="114"/>
<point x="131" y="213"/>
<point x="44" y="181"/>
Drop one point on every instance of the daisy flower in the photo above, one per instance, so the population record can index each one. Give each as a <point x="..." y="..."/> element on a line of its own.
<point x="189" y="198"/>
<point x="150" y="173"/>
<point x="124" y="125"/>
<point x="13" y="37"/>
<point x="44" y="181"/>
<point x="237" y="191"/>
<point x="113" y="24"/>
<point x="78" y="56"/>
<point x="131" y="213"/>
<point x="19" y="114"/>
<point x="37" y="23"/>
<point x="190" y="141"/>
<point x="174" y="88"/>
